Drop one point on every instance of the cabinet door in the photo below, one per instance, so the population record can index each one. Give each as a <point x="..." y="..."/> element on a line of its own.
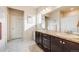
<point x="70" y="46"/>
<point x="37" y="34"/>
<point x="38" y="38"/>
<point x="66" y="45"/>
<point x="46" y="42"/>
<point x="56" y="44"/>
<point x="74" y="47"/>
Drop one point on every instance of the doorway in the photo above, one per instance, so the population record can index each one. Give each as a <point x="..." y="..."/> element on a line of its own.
<point x="15" y="24"/>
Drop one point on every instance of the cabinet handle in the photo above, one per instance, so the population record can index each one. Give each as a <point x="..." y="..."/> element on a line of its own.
<point x="60" y="41"/>
<point x="64" y="43"/>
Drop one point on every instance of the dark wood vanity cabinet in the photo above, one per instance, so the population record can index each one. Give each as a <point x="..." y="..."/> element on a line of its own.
<point x="50" y="43"/>
<point x="43" y="41"/>
<point x="38" y="39"/>
<point x="59" y="45"/>
<point x="63" y="45"/>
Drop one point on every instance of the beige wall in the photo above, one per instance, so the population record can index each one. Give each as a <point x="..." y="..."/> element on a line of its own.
<point x="53" y="21"/>
<point x="29" y="28"/>
<point x="3" y="20"/>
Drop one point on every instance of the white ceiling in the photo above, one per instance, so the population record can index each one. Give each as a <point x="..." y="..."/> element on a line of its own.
<point x="33" y="8"/>
<point x="24" y="7"/>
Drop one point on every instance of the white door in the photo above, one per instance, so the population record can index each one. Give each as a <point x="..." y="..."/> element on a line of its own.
<point x="16" y="26"/>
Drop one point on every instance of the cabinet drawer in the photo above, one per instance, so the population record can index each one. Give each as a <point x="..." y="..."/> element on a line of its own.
<point x="57" y="41"/>
<point x="71" y="46"/>
<point x="56" y="44"/>
<point x="46" y="43"/>
<point x="46" y="36"/>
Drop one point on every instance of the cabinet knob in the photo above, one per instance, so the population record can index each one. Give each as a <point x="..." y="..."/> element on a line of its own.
<point x="64" y="43"/>
<point x="60" y="41"/>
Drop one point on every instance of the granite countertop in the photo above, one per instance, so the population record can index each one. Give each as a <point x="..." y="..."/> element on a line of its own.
<point x="70" y="37"/>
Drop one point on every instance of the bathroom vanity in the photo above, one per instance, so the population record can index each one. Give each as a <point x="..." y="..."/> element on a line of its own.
<point x="51" y="41"/>
<point x="58" y="31"/>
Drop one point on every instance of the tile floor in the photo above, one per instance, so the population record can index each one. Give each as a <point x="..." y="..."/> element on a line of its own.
<point x="20" y="45"/>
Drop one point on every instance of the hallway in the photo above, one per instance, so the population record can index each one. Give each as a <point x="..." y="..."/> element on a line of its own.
<point x="20" y="45"/>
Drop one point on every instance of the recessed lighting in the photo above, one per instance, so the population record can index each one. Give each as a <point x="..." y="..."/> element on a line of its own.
<point x="47" y="9"/>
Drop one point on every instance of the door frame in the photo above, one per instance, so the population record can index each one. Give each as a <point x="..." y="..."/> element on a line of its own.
<point x="8" y="23"/>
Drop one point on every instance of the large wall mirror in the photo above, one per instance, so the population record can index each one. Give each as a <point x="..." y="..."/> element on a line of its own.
<point x="70" y="20"/>
<point x="64" y="19"/>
